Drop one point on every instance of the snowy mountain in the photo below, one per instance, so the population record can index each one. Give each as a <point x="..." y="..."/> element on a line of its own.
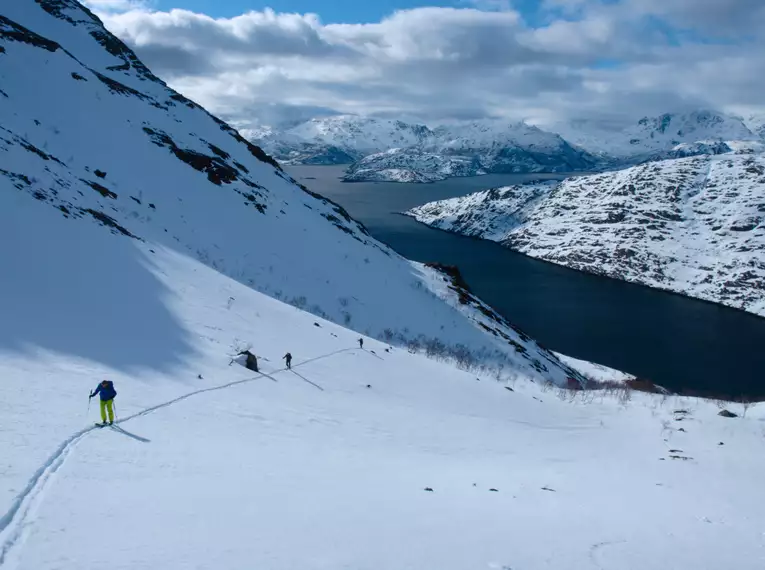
<point x="147" y="242"/>
<point x="388" y="150"/>
<point x="362" y="134"/>
<point x="653" y="134"/>
<point x="341" y="139"/>
<point x="685" y="150"/>
<point x="694" y="226"/>
<point x="90" y="134"/>
<point x="756" y="124"/>
<point x="471" y="149"/>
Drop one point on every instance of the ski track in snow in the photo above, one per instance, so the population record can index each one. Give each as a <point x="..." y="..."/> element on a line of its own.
<point x="14" y="522"/>
<point x="596" y="548"/>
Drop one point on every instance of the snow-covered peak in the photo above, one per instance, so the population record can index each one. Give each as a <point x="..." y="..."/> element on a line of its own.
<point x="487" y="133"/>
<point x="673" y="129"/>
<point x="360" y="133"/>
<point x="756" y="124"/>
<point x="654" y="134"/>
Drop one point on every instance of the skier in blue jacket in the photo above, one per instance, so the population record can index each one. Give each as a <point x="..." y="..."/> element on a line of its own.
<point x="107" y="392"/>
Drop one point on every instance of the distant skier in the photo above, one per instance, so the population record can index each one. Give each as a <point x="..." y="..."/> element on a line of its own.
<point x="288" y="358"/>
<point x="361" y="343"/>
<point x="107" y="392"/>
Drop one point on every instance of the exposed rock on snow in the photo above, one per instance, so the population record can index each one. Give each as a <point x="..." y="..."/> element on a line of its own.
<point x="693" y="226"/>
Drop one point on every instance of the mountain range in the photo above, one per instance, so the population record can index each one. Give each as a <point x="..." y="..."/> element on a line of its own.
<point x="390" y="150"/>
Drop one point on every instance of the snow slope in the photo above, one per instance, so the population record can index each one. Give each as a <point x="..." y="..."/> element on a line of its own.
<point x="694" y="225"/>
<point x="87" y="131"/>
<point x="327" y="466"/>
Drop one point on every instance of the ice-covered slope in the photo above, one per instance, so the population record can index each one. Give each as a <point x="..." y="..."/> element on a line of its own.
<point x="653" y="134"/>
<point x="694" y="226"/>
<point x="327" y="466"/>
<point x="88" y="132"/>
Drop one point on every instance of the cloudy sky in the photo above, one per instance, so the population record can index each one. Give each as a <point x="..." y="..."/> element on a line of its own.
<point x="254" y="61"/>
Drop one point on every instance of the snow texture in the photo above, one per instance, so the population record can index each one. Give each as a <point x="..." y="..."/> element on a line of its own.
<point x="327" y="465"/>
<point x="694" y="226"/>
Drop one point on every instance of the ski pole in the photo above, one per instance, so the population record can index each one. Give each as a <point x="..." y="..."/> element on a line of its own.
<point x="114" y="405"/>
<point x="89" y="399"/>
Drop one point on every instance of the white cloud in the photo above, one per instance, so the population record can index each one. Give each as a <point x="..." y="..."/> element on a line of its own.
<point x="589" y="57"/>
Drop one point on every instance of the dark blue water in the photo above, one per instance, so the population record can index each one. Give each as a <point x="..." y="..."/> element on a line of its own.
<point x="678" y="342"/>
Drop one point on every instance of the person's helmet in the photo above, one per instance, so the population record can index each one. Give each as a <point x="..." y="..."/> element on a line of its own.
<point x="104" y="382"/>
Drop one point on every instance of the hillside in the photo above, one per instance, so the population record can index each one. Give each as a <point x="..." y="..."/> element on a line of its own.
<point x="693" y="226"/>
<point x="356" y="458"/>
<point x="94" y="137"/>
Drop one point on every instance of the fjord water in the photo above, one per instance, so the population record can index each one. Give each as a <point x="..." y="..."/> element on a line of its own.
<point x="681" y="343"/>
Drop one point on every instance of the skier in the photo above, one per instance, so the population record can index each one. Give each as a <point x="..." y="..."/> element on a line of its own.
<point x="288" y="358"/>
<point x="107" y="392"/>
<point x="361" y="343"/>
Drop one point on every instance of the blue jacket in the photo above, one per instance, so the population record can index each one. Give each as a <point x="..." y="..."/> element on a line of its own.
<point x="107" y="393"/>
